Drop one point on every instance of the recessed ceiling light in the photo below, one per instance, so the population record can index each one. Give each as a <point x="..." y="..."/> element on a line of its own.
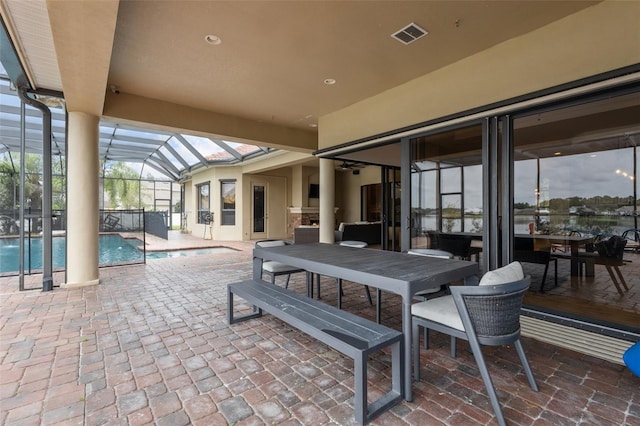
<point x="557" y="153"/>
<point x="313" y="125"/>
<point x="329" y="81"/>
<point x="212" y="39"/>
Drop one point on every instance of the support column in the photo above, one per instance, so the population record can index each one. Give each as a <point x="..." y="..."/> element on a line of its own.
<point x="298" y="185"/>
<point x="327" y="201"/>
<point x="82" y="200"/>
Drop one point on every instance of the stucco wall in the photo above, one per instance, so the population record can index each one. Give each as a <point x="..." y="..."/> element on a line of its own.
<point x="348" y="192"/>
<point x="213" y="176"/>
<point x="598" y="39"/>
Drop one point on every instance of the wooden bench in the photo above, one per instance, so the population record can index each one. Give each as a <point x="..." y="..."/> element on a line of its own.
<point x="347" y="333"/>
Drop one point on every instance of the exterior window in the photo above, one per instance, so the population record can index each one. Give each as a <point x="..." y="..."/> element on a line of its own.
<point x="204" y="213"/>
<point x="228" y="201"/>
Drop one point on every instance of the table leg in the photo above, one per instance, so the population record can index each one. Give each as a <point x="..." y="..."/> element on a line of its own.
<point x="406" y="331"/>
<point x="575" y="264"/>
<point x="309" y="284"/>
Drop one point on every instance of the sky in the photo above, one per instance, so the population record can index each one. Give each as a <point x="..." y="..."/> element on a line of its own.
<point x="583" y="175"/>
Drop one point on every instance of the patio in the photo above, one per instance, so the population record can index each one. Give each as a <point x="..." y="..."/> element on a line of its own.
<point x="151" y="344"/>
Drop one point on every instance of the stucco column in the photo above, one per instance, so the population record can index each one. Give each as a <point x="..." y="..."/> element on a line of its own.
<point x="82" y="200"/>
<point x="327" y="201"/>
<point x="297" y="186"/>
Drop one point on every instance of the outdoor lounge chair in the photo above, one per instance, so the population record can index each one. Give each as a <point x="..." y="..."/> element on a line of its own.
<point x="111" y="222"/>
<point x="487" y="314"/>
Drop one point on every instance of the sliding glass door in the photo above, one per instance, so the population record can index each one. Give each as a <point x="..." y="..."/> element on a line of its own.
<point x="575" y="174"/>
<point x="446" y="176"/>
<point x="553" y="181"/>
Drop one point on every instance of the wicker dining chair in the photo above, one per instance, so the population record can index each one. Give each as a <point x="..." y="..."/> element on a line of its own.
<point x="487" y="314"/>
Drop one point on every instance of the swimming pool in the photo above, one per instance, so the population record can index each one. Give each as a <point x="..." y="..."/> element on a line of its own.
<point x="112" y="249"/>
<point x="187" y="252"/>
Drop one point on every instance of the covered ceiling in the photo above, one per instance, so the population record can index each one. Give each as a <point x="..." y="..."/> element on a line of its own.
<point x="257" y="72"/>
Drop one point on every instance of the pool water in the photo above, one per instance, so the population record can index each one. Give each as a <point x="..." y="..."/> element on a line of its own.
<point x="112" y="249"/>
<point x="188" y="252"/>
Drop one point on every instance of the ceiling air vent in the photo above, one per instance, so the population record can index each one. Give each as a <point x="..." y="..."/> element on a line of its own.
<point x="410" y="33"/>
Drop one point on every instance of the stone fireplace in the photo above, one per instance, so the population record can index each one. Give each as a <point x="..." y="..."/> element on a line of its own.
<point x="303" y="216"/>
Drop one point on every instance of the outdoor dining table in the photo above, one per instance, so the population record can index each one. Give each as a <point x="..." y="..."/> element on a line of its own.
<point x="573" y="241"/>
<point x="399" y="273"/>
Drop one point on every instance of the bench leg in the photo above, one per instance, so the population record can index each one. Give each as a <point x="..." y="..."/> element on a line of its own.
<point x="365" y="412"/>
<point x="360" y="388"/>
<point x="257" y="312"/>
<point x="397" y="368"/>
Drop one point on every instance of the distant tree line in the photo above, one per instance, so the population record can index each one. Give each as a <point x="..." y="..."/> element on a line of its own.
<point x="600" y="202"/>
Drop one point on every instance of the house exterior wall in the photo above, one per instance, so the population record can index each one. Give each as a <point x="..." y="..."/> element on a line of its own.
<point x="348" y="186"/>
<point x="213" y="176"/>
<point x="595" y="40"/>
<point x="284" y="181"/>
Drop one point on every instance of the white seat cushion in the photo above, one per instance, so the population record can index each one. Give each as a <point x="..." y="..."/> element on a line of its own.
<point x="356" y="244"/>
<point x="429" y="291"/>
<point x="277" y="267"/>
<point x="431" y="253"/>
<point x="507" y="274"/>
<point x="441" y="309"/>
<point x="265" y="244"/>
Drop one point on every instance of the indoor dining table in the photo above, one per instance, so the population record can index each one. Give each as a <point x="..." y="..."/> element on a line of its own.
<point x="399" y="273"/>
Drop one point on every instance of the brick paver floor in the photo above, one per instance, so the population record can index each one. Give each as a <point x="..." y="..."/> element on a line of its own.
<point x="151" y="345"/>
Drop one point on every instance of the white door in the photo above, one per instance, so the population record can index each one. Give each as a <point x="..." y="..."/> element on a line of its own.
<point x="268" y="208"/>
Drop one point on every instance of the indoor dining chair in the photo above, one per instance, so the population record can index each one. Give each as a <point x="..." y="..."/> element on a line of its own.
<point x="486" y="314"/>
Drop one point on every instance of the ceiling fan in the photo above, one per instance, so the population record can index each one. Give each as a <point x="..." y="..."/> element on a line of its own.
<point x="349" y="165"/>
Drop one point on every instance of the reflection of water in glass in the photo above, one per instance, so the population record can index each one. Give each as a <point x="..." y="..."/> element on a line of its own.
<point x="473" y="224"/>
<point x="111" y="249"/>
<point x="583" y="224"/>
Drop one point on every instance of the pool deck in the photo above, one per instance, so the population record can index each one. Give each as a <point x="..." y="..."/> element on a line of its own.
<point x="151" y="345"/>
<point x="176" y="241"/>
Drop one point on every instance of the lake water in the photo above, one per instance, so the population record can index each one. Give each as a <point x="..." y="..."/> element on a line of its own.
<point x="583" y="224"/>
